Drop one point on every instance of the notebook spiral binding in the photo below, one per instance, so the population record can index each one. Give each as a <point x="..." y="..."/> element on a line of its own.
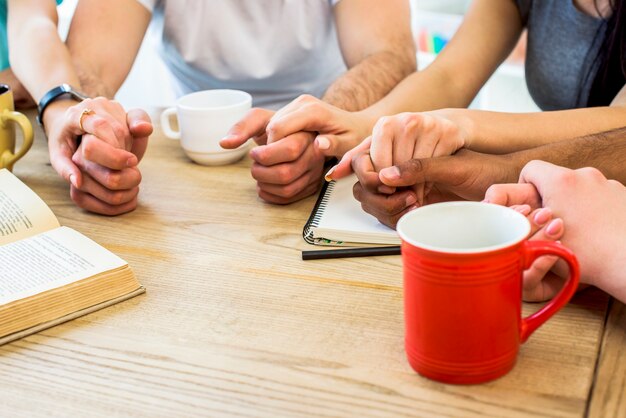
<point x="316" y="215"/>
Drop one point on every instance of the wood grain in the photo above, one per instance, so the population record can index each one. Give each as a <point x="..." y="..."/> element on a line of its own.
<point x="234" y="323"/>
<point x="608" y="398"/>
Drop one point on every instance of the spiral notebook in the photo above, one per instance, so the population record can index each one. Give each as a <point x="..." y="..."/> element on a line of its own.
<point x="337" y="219"/>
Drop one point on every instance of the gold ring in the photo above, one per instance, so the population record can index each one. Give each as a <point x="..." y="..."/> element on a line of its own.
<point x="84" y="113"/>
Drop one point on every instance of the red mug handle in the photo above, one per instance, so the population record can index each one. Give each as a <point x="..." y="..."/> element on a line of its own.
<point x="532" y="251"/>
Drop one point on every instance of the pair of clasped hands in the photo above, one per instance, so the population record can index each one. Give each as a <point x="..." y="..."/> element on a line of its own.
<point x="102" y="168"/>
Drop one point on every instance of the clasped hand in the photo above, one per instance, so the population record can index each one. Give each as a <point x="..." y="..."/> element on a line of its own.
<point x="103" y="169"/>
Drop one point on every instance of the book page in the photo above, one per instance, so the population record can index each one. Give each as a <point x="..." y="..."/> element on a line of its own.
<point x="343" y="219"/>
<point x="50" y="260"/>
<point x="22" y="213"/>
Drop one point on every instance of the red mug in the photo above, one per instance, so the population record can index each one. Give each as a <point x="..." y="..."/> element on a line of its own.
<point x="463" y="265"/>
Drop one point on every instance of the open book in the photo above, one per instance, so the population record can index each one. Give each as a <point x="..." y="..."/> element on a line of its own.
<point x="48" y="273"/>
<point x="337" y="219"/>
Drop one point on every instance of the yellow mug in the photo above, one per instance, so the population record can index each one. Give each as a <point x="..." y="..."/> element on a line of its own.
<point x="8" y="118"/>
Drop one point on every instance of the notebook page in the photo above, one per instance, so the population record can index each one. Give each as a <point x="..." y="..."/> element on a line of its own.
<point x="343" y="219"/>
<point x="22" y="212"/>
<point x="50" y="260"/>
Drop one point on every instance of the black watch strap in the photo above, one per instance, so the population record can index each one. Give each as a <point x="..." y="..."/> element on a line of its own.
<point x="62" y="91"/>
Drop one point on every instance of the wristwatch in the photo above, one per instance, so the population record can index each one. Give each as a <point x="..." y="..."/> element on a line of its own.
<point x="59" y="92"/>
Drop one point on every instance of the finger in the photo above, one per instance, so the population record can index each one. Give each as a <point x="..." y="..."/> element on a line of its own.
<point x="513" y="194"/>
<point x="253" y="124"/>
<point x="304" y="114"/>
<point x="285" y="173"/>
<point x="539" y="218"/>
<point x="125" y="179"/>
<point x="538" y="283"/>
<point x="288" y="149"/>
<point x="294" y="188"/>
<point x="106" y="129"/>
<point x="280" y="200"/>
<point x="386" y="208"/>
<point x="92" y="204"/>
<point x="365" y="172"/>
<point x="111" y="197"/>
<point x="381" y="149"/>
<point x="140" y="126"/>
<point x="61" y="160"/>
<point x="538" y="173"/>
<point x="344" y="167"/>
<point x="99" y="152"/>
<point x="334" y="145"/>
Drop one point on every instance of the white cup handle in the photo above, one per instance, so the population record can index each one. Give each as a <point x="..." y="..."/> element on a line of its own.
<point x="165" y="124"/>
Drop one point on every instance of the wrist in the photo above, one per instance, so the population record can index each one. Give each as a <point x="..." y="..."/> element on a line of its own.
<point x="56" y="111"/>
<point x="365" y="120"/>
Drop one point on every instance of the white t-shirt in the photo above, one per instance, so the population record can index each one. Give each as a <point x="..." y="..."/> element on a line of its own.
<point x="273" y="49"/>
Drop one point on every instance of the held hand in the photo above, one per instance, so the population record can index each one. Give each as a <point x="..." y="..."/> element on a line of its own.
<point x="287" y="170"/>
<point x="337" y="131"/>
<point x="591" y="206"/>
<point x="400" y="138"/>
<point x="466" y="175"/>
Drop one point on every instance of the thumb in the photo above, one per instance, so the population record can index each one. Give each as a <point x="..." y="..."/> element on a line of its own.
<point x="61" y="160"/>
<point x="140" y="126"/>
<point x="139" y="123"/>
<point x="253" y="124"/>
<point x="333" y="145"/>
<point x="416" y="171"/>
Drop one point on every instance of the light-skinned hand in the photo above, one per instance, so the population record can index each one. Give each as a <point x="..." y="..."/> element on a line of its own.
<point x="286" y="169"/>
<point x="103" y="170"/>
<point x="592" y="209"/>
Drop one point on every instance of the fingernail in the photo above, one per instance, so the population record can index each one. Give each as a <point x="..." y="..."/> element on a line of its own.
<point x="554" y="228"/>
<point x="411" y="199"/>
<point x="542" y="216"/>
<point x="229" y="137"/>
<point x="322" y="142"/>
<point x="330" y="172"/>
<point x="73" y="180"/>
<point x="485" y="201"/>
<point x="131" y="162"/>
<point x="392" y="173"/>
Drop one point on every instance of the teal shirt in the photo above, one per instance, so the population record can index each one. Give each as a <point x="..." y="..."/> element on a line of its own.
<point x="4" y="46"/>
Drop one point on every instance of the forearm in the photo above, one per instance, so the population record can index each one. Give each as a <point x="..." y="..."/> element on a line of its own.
<point x="370" y="80"/>
<point x="498" y="133"/>
<point x="38" y="56"/>
<point x="103" y="61"/>
<point x="605" y="151"/>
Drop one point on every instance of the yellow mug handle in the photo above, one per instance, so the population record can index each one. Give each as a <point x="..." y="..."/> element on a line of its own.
<point x="7" y="158"/>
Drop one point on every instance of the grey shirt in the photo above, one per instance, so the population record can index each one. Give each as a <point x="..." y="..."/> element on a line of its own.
<point x="562" y="47"/>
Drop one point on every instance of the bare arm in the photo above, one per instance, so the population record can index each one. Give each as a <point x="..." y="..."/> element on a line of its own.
<point x="498" y="133"/>
<point x="487" y="35"/>
<point x="38" y="55"/>
<point x="103" y="61"/>
<point x="377" y="45"/>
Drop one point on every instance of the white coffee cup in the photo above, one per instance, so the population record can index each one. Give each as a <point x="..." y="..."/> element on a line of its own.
<point x="204" y="118"/>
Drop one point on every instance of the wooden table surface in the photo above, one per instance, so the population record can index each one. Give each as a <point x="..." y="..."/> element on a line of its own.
<point x="235" y="324"/>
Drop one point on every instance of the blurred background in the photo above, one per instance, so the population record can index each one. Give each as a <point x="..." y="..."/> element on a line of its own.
<point x="433" y="21"/>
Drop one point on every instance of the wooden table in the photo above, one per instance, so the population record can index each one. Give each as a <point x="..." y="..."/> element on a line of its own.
<point x="235" y="324"/>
